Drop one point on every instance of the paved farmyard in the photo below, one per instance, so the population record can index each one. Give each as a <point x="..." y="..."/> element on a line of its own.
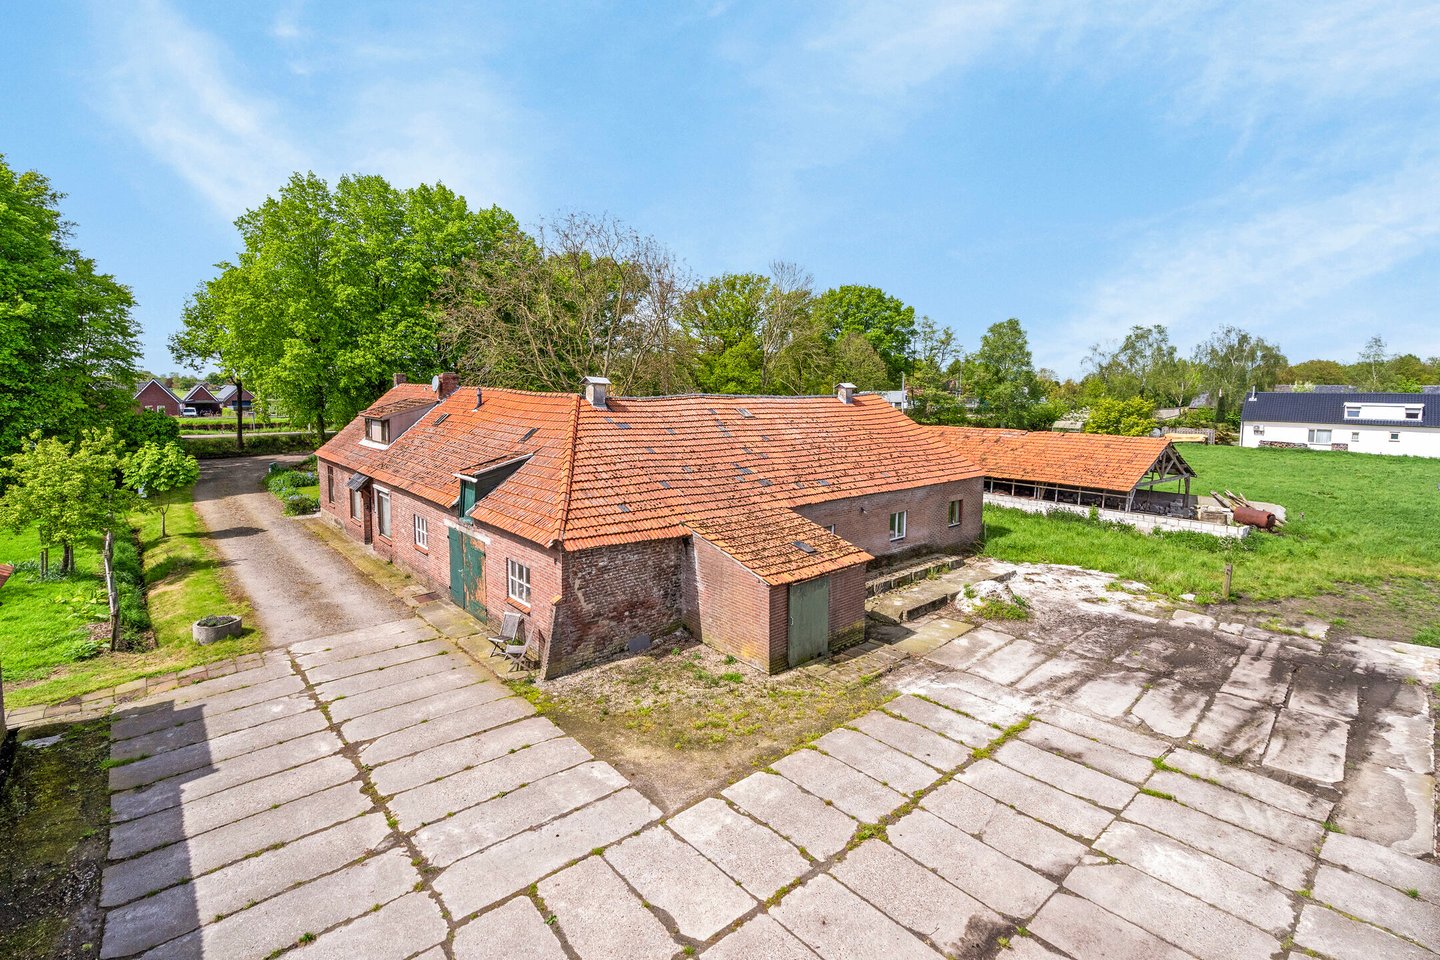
<point x="377" y="795"/>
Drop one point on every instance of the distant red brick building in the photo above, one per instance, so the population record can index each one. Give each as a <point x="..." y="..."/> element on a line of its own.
<point x="607" y="521"/>
<point x="154" y="395"/>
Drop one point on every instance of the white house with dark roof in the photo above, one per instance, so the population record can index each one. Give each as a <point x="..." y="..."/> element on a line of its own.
<point x="1393" y="423"/>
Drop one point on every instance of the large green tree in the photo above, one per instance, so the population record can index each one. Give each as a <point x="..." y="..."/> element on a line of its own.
<point x="884" y="321"/>
<point x="66" y="490"/>
<point x="68" y="345"/>
<point x="1000" y="378"/>
<point x="330" y="294"/>
<point x="725" y="319"/>
<point x="1129" y="417"/>
<point x="1144" y="364"/>
<point x="160" y="474"/>
<point x="1232" y="361"/>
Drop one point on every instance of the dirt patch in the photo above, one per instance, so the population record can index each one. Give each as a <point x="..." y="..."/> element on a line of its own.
<point x="1393" y="610"/>
<point x="681" y="720"/>
<point x="54" y="808"/>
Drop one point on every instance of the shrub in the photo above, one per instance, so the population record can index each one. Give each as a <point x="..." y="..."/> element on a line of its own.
<point x="284" y="482"/>
<point x="256" y="445"/>
<point x="299" y="504"/>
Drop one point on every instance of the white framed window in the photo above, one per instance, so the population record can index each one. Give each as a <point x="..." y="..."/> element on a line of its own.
<point x="957" y="512"/>
<point x="382" y="512"/>
<point x="829" y="528"/>
<point x="897" y="525"/>
<point x="1394" y="437"/>
<point x="1352" y="413"/>
<point x="1355" y="436"/>
<point x="1413" y="413"/>
<point x="357" y="506"/>
<point x="1319" y="436"/>
<point x="377" y="431"/>
<point x="422" y="532"/>
<point x="517" y="581"/>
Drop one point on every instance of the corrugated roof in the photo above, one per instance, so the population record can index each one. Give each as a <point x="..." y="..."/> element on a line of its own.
<point x="1095" y="460"/>
<point x="1329" y="408"/>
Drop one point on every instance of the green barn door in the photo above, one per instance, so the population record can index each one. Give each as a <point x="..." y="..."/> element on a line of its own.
<point x="809" y="620"/>
<point x="467" y="573"/>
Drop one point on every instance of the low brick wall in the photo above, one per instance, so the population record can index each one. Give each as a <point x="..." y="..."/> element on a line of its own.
<point x="1148" y="522"/>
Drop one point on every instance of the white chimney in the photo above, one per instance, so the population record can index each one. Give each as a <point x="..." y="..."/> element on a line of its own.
<point x="846" y="392"/>
<point x="596" y="390"/>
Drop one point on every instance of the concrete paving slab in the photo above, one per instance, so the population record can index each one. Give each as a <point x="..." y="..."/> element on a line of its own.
<point x="1112" y="734"/>
<point x="838" y="925"/>
<point x="755" y="856"/>
<point x="394" y="932"/>
<point x="760" y="937"/>
<point x="164" y="794"/>
<point x="1377" y="903"/>
<point x="806" y="820"/>
<point x="201" y="755"/>
<point x="1326" y="692"/>
<point x="1092" y="753"/>
<point x="982" y="872"/>
<point x="1011" y="662"/>
<point x="488" y="823"/>
<point x="512" y="865"/>
<point x="1235" y="727"/>
<point x="1072" y="777"/>
<point x="1308" y="745"/>
<point x="673" y="877"/>
<point x="1281" y="865"/>
<point x="1384" y="864"/>
<point x="1202" y="876"/>
<point x="1045" y="803"/>
<point x="601" y="918"/>
<point x="1169" y="708"/>
<point x="1332" y="935"/>
<point x="131" y="720"/>
<point x="378" y="661"/>
<point x="447" y="758"/>
<point x="853" y="792"/>
<point x="241" y="688"/>
<point x="228" y="806"/>
<point x="359" y="643"/>
<point x="1173" y="916"/>
<point x="873" y="758"/>
<point x="968" y="648"/>
<point x="1025" y="948"/>
<point x="1058" y="676"/>
<point x="460" y="791"/>
<point x="1110" y="695"/>
<point x="130" y="879"/>
<point x="373" y="681"/>
<point x="1013" y="834"/>
<point x="942" y="720"/>
<point x="1262" y="788"/>
<point x="1082" y="929"/>
<point x="955" y="922"/>
<point x="441" y="705"/>
<point x="1243" y="811"/>
<point x="1395" y="808"/>
<point x="515" y="931"/>
<point x="455" y="676"/>
<point x="153" y="920"/>
<point x="1260" y="675"/>
<point x="1401" y="742"/>
<point x="1189" y="618"/>
<point x="917" y="741"/>
<point x="206" y="728"/>
<point x="282" y="920"/>
<point x="987" y="712"/>
<point x="462" y="723"/>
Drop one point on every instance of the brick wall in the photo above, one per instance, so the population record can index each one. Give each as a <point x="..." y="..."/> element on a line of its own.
<point x="865" y="521"/>
<point x="338" y="510"/>
<point x="613" y="594"/>
<point x="730" y="608"/>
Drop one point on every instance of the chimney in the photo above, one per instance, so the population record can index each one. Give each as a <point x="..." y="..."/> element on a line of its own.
<point x="445" y="384"/>
<point x="846" y="392"/>
<point x="596" y="389"/>
<point x="479" y="397"/>
<point x="397" y="379"/>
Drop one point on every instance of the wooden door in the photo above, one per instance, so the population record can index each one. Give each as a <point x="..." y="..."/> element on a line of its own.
<point x="809" y="620"/>
<point x="467" y="573"/>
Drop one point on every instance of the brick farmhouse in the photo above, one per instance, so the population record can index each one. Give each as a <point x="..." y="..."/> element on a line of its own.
<point x="608" y="521"/>
<point x="154" y="395"/>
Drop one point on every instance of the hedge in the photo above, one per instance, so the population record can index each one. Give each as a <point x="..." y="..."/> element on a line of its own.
<point x="258" y="445"/>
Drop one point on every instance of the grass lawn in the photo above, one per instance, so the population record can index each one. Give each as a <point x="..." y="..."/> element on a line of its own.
<point x="46" y="625"/>
<point x="184" y="584"/>
<point x="1363" y="533"/>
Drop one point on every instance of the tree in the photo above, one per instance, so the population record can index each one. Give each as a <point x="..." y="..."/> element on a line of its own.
<point x="65" y="489"/>
<point x="857" y="362"/>
<point x="1232" y="361"/>
<point x="1144" y="364"/>
<point x="68" y="345"/>
<point x="1315" y="371"/>
<point x="935" y="375"/>
<point x="725" y="319"/>
<point x="1130" y="417"/>
<point x="1373" y="364"/>
<point x="1000" y="378"/>
<point x="159" y="474"/>
<point x="884" y="321"/>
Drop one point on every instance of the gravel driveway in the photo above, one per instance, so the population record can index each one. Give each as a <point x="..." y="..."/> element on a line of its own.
<point x="299" y="587"/>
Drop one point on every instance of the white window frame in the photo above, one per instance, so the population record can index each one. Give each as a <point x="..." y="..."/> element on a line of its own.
<point x="382" y="512"/>
<point x="1352" y="413"/>
<point x="955" y="513"/>
<point x="829" y="528"/>
<point x="357" y="505"/>
<point x="1315" y="436"/>
<point x="517" y="581"/>
<point x="383" y="429"/>
<point x="1394" y="436"/>
<point x="899" y="522"/>
<point x="1354" y="436"/>
<point x="422" y="532"/>
<point x="1414" y="413"/>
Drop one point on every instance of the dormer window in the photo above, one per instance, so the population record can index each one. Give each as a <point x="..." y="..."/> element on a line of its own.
<point x="1413" y="413"/>
<point x="469" y="494"/>
<point x="377" y="431"/>
<point x="1352" y="413"/>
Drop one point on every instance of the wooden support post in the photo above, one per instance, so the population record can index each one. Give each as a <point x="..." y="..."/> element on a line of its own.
<point x="1229" y="570"/>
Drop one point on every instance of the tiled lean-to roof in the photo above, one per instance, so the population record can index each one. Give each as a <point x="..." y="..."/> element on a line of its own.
<point x="644" y="468"/>
<point x="1095" y="460"/>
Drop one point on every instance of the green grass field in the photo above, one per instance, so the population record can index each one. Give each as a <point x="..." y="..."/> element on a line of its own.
<point x="46" y="625"/>
<point x="1361" y="546"/>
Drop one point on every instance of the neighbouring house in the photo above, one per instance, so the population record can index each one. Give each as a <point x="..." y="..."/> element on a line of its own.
<point x="1081" y="469"/>
<point x="227" y="398"/>
<point x="154" y="395"/>
<point x="203" y="400"/>
<point x="607" y="521"/>
<point x="1394" y="423"/>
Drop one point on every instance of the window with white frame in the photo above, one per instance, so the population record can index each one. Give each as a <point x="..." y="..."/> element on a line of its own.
<point x="957" y="512"/>
<point x="1394" y="437"/>
<point x="829" y="528"/>
<point x="357" y="506"/>
<point x="1355" y="436"/>
<point x="422" y="532"/>
<point x="1319" y="436"/>
<point x="1352" y="413"/>
<point x="1413" y="413"/>
<point x="382" y="512"/>
<point x="377" y="431"/>
<point x="897" y="525"/>
<point x="517" y="581"/>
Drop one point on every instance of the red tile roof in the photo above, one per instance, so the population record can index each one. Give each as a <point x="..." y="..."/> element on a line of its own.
<point x="779" y="546"/>
<point x="654" y="467"/>
<point x="388" y="408"/>
<point x="1094" y="460"/>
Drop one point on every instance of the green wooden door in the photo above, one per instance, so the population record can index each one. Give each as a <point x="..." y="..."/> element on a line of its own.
<point x="467" y="573"/>
<point x="809" y="620"/>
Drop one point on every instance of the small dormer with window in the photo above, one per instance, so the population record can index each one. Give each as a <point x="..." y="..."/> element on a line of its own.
<point x="385" y="422"/>
<point x="477" y="482"/>
<point x="1389" y="412"/>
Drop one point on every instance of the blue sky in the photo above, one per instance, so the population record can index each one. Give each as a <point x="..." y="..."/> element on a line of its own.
<point x="1083" y="167"/>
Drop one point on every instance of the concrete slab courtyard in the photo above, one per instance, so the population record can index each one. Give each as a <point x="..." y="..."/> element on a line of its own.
<point x="1114" y="784"/>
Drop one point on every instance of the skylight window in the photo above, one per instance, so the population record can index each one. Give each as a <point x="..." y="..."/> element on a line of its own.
<point x="442" y="418"/>
<point x="528" y="434"/>
<point x="804" y="547"/>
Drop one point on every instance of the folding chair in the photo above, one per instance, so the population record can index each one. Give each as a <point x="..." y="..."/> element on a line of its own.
<point x="519" y="656"/>
<point x="509" y="630"/>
